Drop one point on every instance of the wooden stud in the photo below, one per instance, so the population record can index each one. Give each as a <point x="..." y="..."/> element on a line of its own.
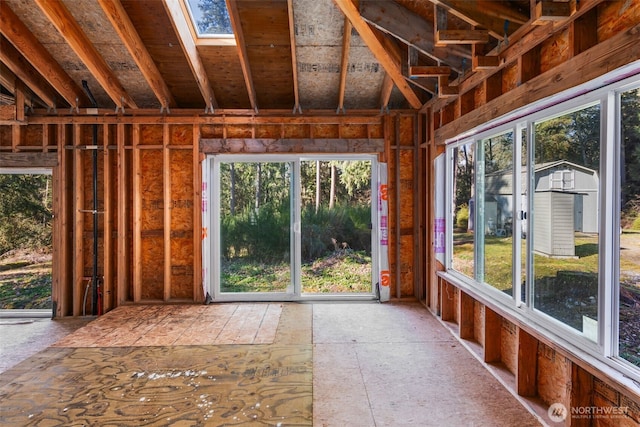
<point x="344" y="62"/>
<point x="166" y="181"/>
<point x="526" y="374"/>
<point x="78" y="224"/>
<point x="582" y="391"/>
<point x="492" y="336"/>
<point x="466" y="316"/>
<point x="122" y="265"/>
<point x="107" y="185"/>
<point x="137" y="212"/>
<point x="294" y="57"/>
<point x="198" y="230"/>
<point x="447" y="301"/>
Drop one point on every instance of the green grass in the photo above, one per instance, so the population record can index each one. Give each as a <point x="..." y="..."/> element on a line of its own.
<point x="30" y="290"/>
<point x="339" y="272"/>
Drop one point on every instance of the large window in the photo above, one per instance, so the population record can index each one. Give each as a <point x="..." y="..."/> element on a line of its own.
<point x="545" y="217"/>
<point x="629" y="261"/>
<point x="565" y="181"/>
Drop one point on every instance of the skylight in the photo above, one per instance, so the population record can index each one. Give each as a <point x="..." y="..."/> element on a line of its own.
<point x="210" y="18"/>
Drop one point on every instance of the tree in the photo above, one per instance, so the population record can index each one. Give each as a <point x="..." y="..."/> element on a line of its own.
<point x="215" y="18"/>
<point x="25" y="212"/>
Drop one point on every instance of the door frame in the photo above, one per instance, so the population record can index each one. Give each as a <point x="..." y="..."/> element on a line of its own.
<point x="211" y="229"/>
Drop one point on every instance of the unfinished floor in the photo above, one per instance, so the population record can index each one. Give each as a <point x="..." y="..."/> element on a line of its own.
<point x="337" y="364"/>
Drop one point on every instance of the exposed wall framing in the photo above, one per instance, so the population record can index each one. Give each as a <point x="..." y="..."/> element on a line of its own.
<point x="149" y="198"/>
<point x="598" y="37"/>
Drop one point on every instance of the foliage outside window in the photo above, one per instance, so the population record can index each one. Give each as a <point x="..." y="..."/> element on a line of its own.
<point x="570" y="231"/>
<point x="629" y="261"/>
<point x="463" y="209"/>
<point x="495" y="211"/>
<point x="210" y="17"/>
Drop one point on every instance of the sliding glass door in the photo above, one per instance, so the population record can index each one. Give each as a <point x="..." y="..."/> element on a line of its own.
<point x="289" y="227"/>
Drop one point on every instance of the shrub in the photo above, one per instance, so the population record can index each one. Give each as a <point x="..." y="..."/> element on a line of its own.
<point x="462" y="218"/>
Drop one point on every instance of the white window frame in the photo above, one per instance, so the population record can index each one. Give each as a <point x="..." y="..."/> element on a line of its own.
<point x="605" y="91"/>
<point x="211" y="250"/>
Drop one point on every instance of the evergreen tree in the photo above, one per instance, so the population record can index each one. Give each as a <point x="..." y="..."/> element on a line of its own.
<point x="215" y="18"/>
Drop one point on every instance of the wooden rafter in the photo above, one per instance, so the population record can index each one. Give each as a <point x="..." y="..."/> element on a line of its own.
<point x="413" y="30"/>
<point x="294" y="57"/>
<point x="191" y="52"/>
<point x="131" y="39"/>
<point x="486" y="14"/>
<point x="234" y="17"/>
<point x="25" y="72"/>
<point x="9" y="81"/>
<point x="387" y="62"/>
<point x="33" y="51"/>
<point x="344" y="62"/>
<point x="69" y="28"/>
<point x="429" y="71"/>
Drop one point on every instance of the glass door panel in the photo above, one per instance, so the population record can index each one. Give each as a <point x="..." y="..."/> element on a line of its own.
<point x="255" y="227"/>
<point x="335" y="226"/>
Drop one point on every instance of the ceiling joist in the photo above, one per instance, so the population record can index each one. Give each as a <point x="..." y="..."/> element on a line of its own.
<point x="234" y="17"/>
<point x="294" y="57"/>
<point x="25" y="72"/>
<point x="68" y="28"/>
<point x="129" y="36"/>
<point x="33" y="51"/>
<point x="189" y="47"/>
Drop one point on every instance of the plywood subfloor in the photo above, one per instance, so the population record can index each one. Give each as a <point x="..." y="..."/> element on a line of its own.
<point x="324" y="364"/>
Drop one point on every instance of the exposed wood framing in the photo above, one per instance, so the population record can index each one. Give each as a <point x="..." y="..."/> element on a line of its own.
<point x="26" y="73"/>
<point x="19" y="35"/>
<point x="378" y="51"/>
<point x="294" y="56"/>
<point x="137" y="212"/>
<point x="124" y="27"/>
<point x="253" y="145"/>
<point x="188" y="45"/>
<point x="28" y="160"/>
<point x="68" y="28"/>
<point x="234" y="17"/>
<point x="166" y="209"/>
<point x="123" y="190"/>
<point x="447" y="37"/>
<point x="344" y="62"/>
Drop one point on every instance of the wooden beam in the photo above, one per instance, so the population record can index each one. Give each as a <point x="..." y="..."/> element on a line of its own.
<point x="344" y="62"/>
<point x="39" y="57"/>
<point x="28" y="160"/>
<point x="70" y="30"/>
<point x="429" y="71"/>
<point x="234" y="17"/>
<point x="182" y="28"/>
<point x="25" y="72"/>
<point x="613" y="53"/>
<point x="310" y="145"/>
<point x="548" y="10"/>
<point x="452" y="37"/>
<point x="367" y="35"/>
<point x="131" y="39"/>
<point x="486" y="14"/>
<point x="481" y="62"/>
<point x="385" y="92"/>
<point x="413" y="30"/>
<point x="294" y="56"/>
